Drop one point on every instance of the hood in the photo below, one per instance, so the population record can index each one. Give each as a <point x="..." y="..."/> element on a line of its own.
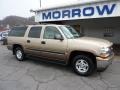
<point x="95" y="41"/>
<point x="89" y="44"/>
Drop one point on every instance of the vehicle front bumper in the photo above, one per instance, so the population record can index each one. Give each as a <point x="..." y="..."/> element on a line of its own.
<point x="103" y="63"/>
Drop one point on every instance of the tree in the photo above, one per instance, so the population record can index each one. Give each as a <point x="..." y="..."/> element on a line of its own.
<point x="17" y="21"/>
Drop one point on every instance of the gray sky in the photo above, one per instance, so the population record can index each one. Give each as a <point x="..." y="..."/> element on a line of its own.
<point x="22" y="7"/>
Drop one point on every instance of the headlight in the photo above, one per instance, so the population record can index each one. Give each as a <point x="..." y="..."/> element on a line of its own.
<point x="104" y="52"/>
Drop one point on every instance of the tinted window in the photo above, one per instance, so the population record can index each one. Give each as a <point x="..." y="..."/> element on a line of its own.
<point x="35" y="32"/>
<point x="50" y="32"/>
<point x="18" y="31"/>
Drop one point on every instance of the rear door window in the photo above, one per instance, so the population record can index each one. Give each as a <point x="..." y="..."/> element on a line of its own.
<point x="35" y="32"/>
<point x="17" y="31"/>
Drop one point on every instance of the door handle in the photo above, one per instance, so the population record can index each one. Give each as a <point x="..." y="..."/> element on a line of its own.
<point x="43" y="42"/>
<point x="28" y="41"/>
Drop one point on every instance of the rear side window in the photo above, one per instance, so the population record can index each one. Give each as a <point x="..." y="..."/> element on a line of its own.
<point x="17" y="31"/>
<point x="35" y="32"/>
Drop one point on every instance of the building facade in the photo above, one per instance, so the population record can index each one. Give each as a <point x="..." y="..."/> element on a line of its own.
<point x="98" y="18"/>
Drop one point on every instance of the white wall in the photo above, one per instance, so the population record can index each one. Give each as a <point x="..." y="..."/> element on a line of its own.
<point x="97" y="28"/>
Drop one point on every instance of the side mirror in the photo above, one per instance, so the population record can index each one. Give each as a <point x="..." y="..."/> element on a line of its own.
<point x="58" y="37"/>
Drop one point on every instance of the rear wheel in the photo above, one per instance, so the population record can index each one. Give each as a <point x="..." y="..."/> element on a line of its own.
<point x="83" y="65"/>
<point x="19" y="54"/>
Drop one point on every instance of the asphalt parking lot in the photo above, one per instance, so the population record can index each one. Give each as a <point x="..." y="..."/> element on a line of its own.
<point x="33" y="74"/>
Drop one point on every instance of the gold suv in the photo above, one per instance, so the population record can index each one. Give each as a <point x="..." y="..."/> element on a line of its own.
<point x="61" y="44"/>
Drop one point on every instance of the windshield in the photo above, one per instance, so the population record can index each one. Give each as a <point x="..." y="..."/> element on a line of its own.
<point x="70" y="32"/>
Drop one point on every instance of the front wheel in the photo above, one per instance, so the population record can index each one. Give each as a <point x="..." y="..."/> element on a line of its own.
<point x="19" y="54"/>
<point x="83" y="65"/>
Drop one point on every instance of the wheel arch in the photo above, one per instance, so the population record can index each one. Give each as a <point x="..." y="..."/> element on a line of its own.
<point x="89" y="54"/>
<point x="15" y="46"/>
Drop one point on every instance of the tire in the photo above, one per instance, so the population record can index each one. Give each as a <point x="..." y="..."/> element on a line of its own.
<point x="19" y="54"/>
<point x="83" y="65"/>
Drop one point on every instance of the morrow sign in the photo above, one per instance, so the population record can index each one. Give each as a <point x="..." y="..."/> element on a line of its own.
<point x="98" y="10"/>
